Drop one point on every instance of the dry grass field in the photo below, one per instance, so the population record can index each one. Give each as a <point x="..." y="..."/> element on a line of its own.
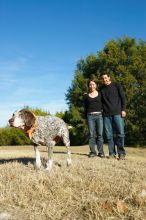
<point x="92" y="188"/>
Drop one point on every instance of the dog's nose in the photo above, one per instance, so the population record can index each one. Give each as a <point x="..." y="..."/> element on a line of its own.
<point x="11" y="121"/>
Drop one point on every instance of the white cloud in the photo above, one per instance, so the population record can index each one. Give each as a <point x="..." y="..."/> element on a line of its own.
<point x="9" y="70"/>
<point x="55" y="106"/>
<point x="23" y="85"/>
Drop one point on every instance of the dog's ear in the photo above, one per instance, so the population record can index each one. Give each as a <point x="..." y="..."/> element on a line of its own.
<point x="28" y="117"/>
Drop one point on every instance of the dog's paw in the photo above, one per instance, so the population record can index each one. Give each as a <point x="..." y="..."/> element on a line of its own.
<point x="38" y="164"/>
<point x="69" y="162"/>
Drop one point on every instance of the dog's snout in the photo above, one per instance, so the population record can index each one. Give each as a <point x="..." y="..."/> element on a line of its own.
<point x="11" y="120"/>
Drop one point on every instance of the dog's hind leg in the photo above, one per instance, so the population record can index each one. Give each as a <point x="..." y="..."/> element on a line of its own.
<point x="50" y="155"/>
<point x="66" y="142"/>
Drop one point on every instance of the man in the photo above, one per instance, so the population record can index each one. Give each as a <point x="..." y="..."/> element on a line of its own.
<point x="113" y="101"/>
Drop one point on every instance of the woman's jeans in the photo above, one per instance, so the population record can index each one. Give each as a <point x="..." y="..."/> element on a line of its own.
<point x="115" y="124"/>
<point x="95" y="124"/>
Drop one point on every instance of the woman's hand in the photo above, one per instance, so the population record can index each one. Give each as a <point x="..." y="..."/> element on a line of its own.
<point x="123" y="114"/>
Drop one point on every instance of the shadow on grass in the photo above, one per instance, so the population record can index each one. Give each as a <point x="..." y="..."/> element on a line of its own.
<point x="73" y="153"/>
<point x="23" y="160"/>
<point x="27" y="160"/>
<point x="65" y="152"/>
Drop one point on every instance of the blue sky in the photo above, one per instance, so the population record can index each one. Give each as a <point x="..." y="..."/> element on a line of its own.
<point x="41" y="42"/>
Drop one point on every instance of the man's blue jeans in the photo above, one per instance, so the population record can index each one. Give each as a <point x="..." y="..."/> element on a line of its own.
<point x="111" y="123"/>
<point x="95" y="124"/>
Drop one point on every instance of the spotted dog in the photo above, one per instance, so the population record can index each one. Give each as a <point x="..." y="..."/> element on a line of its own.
<point x="42" y="130"/>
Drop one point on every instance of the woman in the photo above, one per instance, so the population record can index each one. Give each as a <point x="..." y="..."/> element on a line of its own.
<point x="93" y="113"/>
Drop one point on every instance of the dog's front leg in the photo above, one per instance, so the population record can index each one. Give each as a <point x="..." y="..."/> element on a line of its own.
<point x="37" y="156"/>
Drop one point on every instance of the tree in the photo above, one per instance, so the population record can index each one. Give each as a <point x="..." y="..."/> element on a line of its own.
<point x="37" y="111"/>
<point x="125" y="60"/>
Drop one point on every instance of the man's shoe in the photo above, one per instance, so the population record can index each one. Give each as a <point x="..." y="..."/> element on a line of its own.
<point x="92" y="154"/>
<point x="101" y="155"/>
<point x="122" y="157"/>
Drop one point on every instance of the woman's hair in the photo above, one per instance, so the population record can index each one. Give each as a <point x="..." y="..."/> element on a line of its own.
<point x="92" y="80"/>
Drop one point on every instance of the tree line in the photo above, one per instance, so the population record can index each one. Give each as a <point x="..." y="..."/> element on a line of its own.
<point x="125" y="60"/>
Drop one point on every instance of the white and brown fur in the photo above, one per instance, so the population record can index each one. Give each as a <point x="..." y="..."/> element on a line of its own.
<point x="42" y="130"/>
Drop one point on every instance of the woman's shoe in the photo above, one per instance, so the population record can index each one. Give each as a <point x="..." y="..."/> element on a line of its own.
<point x="92" y="154"/>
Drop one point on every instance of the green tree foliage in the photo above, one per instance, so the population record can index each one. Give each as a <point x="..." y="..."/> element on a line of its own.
<point x="11" y="136"/>
<point x="37" y="111"/>
<point x="125" y="60"/>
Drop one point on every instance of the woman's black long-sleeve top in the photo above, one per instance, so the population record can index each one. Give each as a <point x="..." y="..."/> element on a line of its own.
<point x="92" y="104"/>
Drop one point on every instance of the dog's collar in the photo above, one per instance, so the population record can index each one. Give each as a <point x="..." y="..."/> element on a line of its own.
<point x="31" y="130"/>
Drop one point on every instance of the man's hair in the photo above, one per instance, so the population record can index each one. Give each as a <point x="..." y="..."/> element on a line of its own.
<point x="105" y="73"/>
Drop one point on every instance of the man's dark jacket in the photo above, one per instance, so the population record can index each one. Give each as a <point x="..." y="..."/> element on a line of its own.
<point x="113" y="99"/>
